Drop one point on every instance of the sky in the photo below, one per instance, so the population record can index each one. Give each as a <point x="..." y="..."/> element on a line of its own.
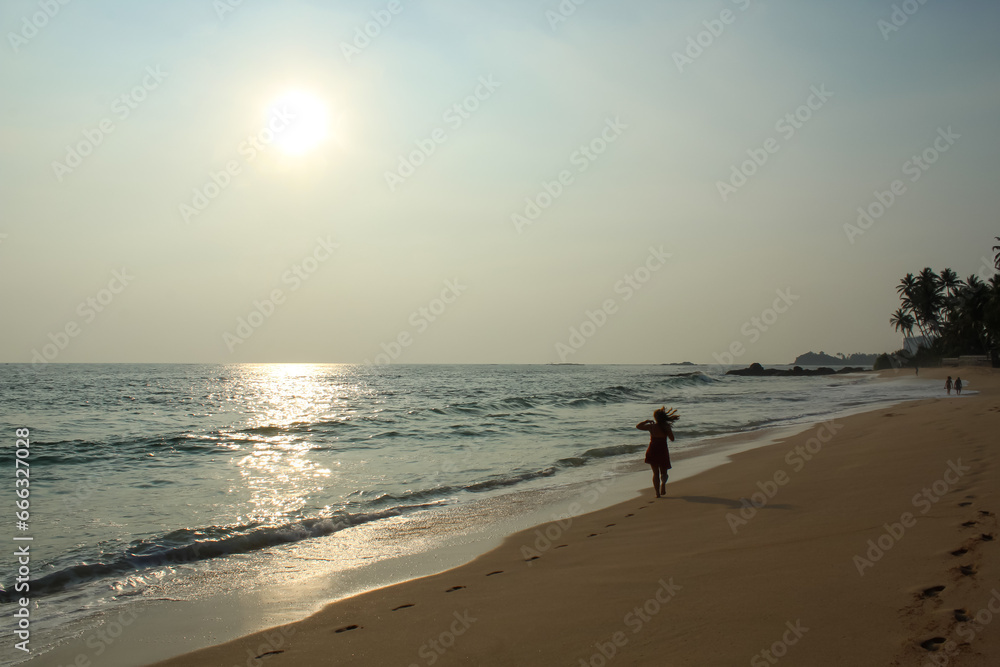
<point x="434" y="181"/>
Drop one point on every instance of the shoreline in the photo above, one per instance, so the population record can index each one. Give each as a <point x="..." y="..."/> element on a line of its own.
<point x="144" y="621"/>
<point x="300" y="579"/>
<point x="352" y="627"/>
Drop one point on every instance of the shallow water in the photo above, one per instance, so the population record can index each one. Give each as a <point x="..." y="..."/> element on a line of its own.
<point x="183" y="481"/>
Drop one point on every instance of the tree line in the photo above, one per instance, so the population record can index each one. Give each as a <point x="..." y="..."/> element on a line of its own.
<point x="955" y="317"/>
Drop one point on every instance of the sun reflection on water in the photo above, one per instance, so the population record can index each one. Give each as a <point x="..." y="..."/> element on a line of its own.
<point x="287" y="403"/>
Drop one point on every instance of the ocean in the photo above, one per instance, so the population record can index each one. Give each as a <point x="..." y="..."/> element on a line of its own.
<point x="188" y="484"/>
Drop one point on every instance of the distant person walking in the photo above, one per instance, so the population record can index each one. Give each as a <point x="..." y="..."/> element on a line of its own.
<point x="958" y="386"/>
<point x="947" y="385"/>
<point x="657" y="454"/>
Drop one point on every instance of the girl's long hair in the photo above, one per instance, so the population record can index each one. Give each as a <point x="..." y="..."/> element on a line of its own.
<point x="665" y="417"/>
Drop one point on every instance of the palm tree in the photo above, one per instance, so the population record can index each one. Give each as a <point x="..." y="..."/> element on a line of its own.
<point x="949" y="280"/>
<point x="921" y="297"/>
<point x="961" y="317"/>
<point x="901" y="320"/>
<point x="969" y="323"/>
<point x="927" y="302"/>
<point x="906" y="288"/>
<point x="951" y="284"/>
<point x="996" y="249"/>
<point x="992" y="316"/>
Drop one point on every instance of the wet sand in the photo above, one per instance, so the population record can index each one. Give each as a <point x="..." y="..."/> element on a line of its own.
<point x="868" y="540"/>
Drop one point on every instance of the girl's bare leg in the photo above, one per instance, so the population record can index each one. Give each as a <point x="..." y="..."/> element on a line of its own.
<point x="663" y="481"/>
<point x="656" y="480"/>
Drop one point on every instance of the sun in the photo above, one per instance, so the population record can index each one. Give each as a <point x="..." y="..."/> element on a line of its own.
<point x="300" y="121"/>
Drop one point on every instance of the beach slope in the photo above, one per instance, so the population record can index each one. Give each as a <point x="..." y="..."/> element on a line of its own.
<point x="868" y="540"/>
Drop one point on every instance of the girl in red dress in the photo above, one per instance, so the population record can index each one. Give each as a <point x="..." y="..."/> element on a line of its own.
<point x="657" y="455"/>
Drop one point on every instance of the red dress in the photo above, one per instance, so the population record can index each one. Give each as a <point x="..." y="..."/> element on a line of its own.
<point x="657" y="452"/>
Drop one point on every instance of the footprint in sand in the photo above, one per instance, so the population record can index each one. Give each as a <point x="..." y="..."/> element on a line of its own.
<point x="628" y="515"/>
<point x="968" y="524"/>
<point x="458" y="588"/>
<point x="494" y="572"/>
<point x="609" y="525"/>
<point x="264" y="655"/>
<point x="931" y="592"/>
<point x="526" y="560"/>
<point x="932" y="644"/>
<point x="967" y="570"/>
<point x="960" y="552"/>
<point x="346" y="628"/>
<point x="985" y="513"/>
<point x="965" y="504"/>
<point x="962" y="616"/>
<point x="402" y="606"/>
<point x="986" y="537"/>
<point x="592" y="535"/>
<point x="561" y="546"/>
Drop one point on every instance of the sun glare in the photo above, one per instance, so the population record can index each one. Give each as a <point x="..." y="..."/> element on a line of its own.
<point x="300" y="121"/>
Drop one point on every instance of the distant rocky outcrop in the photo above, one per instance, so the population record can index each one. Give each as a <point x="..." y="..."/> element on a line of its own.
<point x="756" y="370"/>
<point x="824" y="359"/>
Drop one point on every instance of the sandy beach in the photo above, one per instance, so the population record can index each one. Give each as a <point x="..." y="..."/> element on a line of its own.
<point x="868" y="540"/>
<point x="330" y="323"/>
